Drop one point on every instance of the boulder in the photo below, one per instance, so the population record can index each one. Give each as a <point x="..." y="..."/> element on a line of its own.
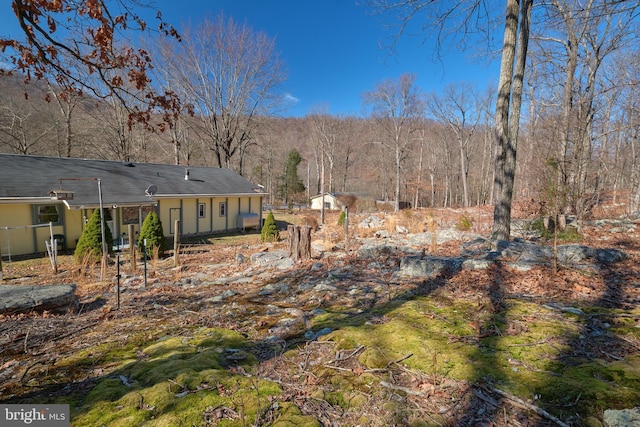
<point x="277" y="259"/>
<point x="25" y="298"/>
<point x="622" y="418"/>
<point x="412" y="266"/>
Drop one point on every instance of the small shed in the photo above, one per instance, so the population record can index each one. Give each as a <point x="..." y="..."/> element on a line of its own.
<point x="331" y="202"/>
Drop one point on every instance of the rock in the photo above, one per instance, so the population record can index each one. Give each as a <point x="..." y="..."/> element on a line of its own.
<point x="274" y="288"/>
<point x="372" y="221"/>
<point x="476" y="264"/>
<point x="310" y="335"/>
<point x="22" y="298"/>
<point x="609" y="256"/>
<point x="219" y="298"/>
<point x="476" y="246"/>
<point x="412" y="266"/>
<point x="622" y="418"/>
<point x="402" y="229"/>
<point x="275" y="259"/>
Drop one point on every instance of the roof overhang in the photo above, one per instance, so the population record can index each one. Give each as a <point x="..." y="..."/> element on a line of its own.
<point x="109" y="205"/>
<point x="205" y="196"/>
<point x="14" y="200"/>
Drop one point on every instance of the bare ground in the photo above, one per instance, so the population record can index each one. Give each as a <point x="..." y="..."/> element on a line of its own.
<point x="31" y="343"/>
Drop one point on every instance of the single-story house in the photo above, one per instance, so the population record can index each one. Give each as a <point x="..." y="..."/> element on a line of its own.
<point x="330" y="201"/>
<point x="44" y="196"/>
<point x="338" y="200"/>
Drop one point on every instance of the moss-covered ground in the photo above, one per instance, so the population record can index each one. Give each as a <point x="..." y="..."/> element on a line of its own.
<point x="475" y="348"/>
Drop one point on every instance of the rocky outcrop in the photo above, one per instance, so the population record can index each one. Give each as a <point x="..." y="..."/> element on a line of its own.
<point x="622" y="418"/>
<point x="26" y="298"/>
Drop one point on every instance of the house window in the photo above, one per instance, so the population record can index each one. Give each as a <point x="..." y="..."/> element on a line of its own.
<point x="223" y="208"/>
<point x="202" y="210"/>
<point x="48" y="213"/>
<point x="327" y="205"/>
<point x="130" y="215"/>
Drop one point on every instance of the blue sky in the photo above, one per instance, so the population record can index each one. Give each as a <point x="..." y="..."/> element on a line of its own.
<point x="331" y="48"/>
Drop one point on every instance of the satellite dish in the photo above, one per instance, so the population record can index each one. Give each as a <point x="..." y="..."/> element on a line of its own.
<point x="151" y="190"/>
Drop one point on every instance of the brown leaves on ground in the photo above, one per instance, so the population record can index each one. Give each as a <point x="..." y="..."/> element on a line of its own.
<point x="27" y="340"/>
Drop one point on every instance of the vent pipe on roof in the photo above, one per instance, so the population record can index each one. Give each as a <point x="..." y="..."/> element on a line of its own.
<point x="186" y="174"/>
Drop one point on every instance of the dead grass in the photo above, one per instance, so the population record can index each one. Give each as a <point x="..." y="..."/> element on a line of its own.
<point x="434" y="352"/>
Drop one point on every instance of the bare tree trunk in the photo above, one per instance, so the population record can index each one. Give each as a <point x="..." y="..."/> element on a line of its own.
<point x="508" y="113"/>
<point x="299" y="241"/>
<point x="416" y="200"/>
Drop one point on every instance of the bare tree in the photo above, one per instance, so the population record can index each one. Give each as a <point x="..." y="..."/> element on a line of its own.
<point x="466" y="14"/>
<point x="579" y="38"/>
<point x="232" y="74"/>
<point x="17" y="130"/>
<point x="326" y="131"/>
<point x="66" y="39"/>
<point x="459" y="107"/>
<point x="396" y="105"/>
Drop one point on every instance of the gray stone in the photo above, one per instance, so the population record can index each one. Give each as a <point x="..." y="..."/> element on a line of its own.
<point x="23" y="298"/>
<point x="219" y="298"/>
<point x="522" y="265"/>
<point x="476" y="246"/>
<point x="372" y="221"/>
<point x="275" y="259"/>
<point x="274" y="288"/>
<point x="402" y="229"/>
<point x="305" y="286"/>
<point x="610" y="256"/>
<point x="412" y="266"/>
<point x="324" y="286"/>
<point x="622" y="418"/>
<point x="477" y="264"/>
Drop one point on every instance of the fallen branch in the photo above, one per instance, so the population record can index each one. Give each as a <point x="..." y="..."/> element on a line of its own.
<point x="530" y="344"/>
<point x="405" y="389"/>
<point x="29" y="368"/>
<point x="530" y="406"/>
<point x="357" y="350"/>
<point x="26" y="337"/>
<point x="395" y="362"/>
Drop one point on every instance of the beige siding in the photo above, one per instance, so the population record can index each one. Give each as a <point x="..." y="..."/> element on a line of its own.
<point x="189" y="216"/>
<point x="23" y="239"/>
<point x="74" y="221"/>
<point x="17" y="240"/>
<point x="204" y="223"/>
<point x="165" y="206"/>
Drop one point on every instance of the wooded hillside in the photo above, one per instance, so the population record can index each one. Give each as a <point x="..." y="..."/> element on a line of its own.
<point x="355" y="159"/>
<point x="577" y="142"/>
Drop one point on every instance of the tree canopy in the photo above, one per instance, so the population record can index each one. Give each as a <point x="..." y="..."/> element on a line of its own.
<point x="82" y="46"/>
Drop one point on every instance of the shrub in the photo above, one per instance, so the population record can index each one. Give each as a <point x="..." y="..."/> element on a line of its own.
<point x="153" y="233"/>
<point x="89" y="247"/>
<point x="464" y="223"/>
<point x="311" y="221"/>
<point x="270" y="229"/>
<point x="342" y="218"/>
<point x="569" y="234"/>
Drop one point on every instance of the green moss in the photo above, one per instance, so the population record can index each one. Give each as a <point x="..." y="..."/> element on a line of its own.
<point x="289" y="415"/>
<point x="175" y="382"/>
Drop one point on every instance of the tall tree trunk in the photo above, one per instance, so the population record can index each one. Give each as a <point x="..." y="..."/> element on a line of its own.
<point x="508" y="112"/>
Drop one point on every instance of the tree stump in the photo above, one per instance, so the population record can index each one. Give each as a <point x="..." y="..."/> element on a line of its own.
<point x="299" y="241"/>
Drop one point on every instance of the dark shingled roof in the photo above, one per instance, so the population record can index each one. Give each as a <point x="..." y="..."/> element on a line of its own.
<point x="122" y="183"/>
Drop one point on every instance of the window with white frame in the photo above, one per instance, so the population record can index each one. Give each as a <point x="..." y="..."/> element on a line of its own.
<point x="223" y="208"/>
<point x="202" y="210"/>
